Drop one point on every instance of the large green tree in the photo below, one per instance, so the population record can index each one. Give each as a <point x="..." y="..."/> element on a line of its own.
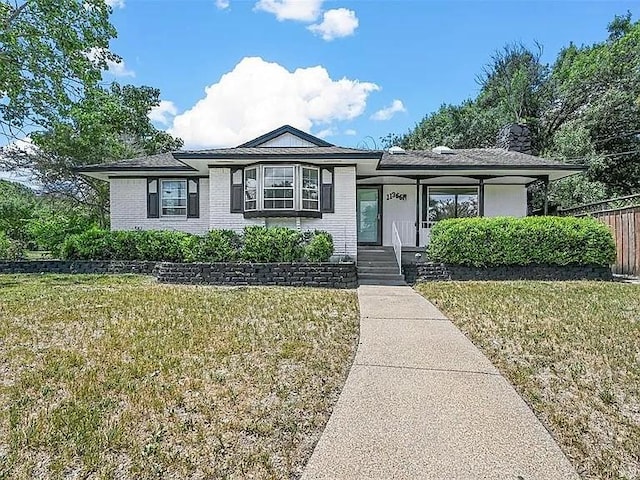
<point x="513" y="87"/>
<point x="51" y="51"/>
<point x="108" y="124"/>
<point x="585" y="108"/>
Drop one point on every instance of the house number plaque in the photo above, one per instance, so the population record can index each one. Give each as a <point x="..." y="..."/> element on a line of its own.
<point x="396" y="195"/>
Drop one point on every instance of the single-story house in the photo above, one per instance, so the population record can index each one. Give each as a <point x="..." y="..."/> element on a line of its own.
<point x="287" y="177"/>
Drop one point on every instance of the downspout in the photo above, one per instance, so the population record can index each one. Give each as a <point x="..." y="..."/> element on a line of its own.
<point x="417" y="211"/>
<point x="546" y="196"/>
<point x="481" y="198"/>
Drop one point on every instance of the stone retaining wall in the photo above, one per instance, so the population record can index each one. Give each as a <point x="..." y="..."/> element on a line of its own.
<point x="76" y="266"/>
<point x="328" y="275"/>
<point x="426" y="272"/>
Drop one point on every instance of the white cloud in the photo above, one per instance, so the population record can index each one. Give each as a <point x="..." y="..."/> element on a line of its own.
<point x="327" y="132"/>
<point x="258" y="96"/>
<point x="301" y="10"/>
<point x="388" y="112"/>
<point x="351" y="132"/>
<point x="336" y="23"/>
<point x="115" y="3"/>
<point x="222" y="4"/>
<point x="163" y="113"/>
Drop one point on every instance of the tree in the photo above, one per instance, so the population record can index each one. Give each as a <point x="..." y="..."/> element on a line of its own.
<point x="513" y="88"/>
<point x="107" y="125"/>
<point x="583" y="109"/>
<point x="17" y="205"/>
<point x="51" y="52"/>
<point x="597" y="88"/>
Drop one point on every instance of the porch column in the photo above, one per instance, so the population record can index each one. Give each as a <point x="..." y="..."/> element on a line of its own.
<point x="481" y="198"/>
<point x="417" y="212"/>
<point x="546" y="196"/>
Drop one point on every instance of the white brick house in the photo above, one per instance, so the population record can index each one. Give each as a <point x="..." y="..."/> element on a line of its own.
<point x="288" y="177"/>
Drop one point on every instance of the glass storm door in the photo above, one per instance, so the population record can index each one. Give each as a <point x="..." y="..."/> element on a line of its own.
<point x="368" y="215"/>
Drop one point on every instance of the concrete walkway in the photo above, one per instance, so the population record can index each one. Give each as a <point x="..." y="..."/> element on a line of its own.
<point x="421" y="401"/>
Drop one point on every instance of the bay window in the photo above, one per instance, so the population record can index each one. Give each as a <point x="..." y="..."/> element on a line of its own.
<point x="274" y="188"/>
<point x="173" y="198"/>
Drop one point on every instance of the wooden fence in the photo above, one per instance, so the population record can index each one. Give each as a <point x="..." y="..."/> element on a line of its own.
<point x="622" y="215"/>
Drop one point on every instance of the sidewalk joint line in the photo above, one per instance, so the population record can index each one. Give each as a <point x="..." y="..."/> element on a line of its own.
<point x="401" y="367"/>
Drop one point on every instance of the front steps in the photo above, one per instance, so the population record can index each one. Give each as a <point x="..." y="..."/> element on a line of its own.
<point x="378" y="266"/>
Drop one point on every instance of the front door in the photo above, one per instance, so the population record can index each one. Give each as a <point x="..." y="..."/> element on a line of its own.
<point x="369" y="215"/>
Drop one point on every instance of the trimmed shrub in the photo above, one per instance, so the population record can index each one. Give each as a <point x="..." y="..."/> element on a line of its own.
<point x="215" y="246"/>
<point x="319" y="248"/>
<point x="152" y="245"/>
<point x="487" y="242"/>
<point x="259" y="244"/>
<point x="94" y="244"/>
<point x="272" y="244"/>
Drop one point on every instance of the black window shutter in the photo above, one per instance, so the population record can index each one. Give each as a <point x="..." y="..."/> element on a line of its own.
<point x="193" y="198"/>
<point x="153" y="198"/>
<point x="327" y="193"/>
<point x="237" y="191"/>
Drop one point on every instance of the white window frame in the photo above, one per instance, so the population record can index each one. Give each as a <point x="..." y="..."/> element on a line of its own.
<point x="428" y="223"/>
<point x="297" y="187"/>
<point x="317" y="189"/>
<point x="294" y="188"/>
<point x="186" y="198"/>
<point x="257" y="188"/>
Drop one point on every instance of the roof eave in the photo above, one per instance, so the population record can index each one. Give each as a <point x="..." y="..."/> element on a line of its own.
<point x="296" y="155"/>
<point x="576" y="168"/>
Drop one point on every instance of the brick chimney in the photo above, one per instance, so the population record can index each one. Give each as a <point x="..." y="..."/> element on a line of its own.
<point x="515" y="137"/>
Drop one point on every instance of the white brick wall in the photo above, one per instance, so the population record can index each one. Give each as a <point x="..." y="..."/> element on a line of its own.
<point x="129" y="208"/>
<point x="342" y="223"/>
<point x="220" y="199"/>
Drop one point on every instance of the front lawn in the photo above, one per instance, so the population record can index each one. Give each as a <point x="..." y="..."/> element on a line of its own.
<point x="117" y="376"/>
<point x="572" y="350"/>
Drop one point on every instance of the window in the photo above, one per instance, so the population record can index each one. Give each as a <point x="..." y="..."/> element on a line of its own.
<point x="272" y="188"/>
<point x="278" y="188"/>
<point x="310" y="188"/>
<point x="251" y="189"/>
<point x="173" y="199"/>
<point x="450" y="202"/>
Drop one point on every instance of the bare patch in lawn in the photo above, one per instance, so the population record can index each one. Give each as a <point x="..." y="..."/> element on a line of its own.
<point x="572" y="350"/>
<point x="116" y="376"/>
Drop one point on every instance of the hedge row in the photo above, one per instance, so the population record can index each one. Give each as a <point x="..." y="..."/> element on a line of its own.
<point x="255" y="244"/>
<point x="488" y="242"/>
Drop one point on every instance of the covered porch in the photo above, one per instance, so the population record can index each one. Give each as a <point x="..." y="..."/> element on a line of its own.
<point x="400" y="210"/>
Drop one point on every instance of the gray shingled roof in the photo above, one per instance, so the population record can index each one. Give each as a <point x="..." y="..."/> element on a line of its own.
<point x="275" y="152"/>
<point x="161" y="161"/>
<point x="411" y="159"/>
<point x="468" y="158"/>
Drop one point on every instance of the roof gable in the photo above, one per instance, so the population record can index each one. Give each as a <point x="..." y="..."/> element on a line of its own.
<point x="282" y="137"/>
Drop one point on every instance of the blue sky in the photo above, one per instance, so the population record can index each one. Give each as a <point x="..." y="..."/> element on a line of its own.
<point x="419" y="53"/>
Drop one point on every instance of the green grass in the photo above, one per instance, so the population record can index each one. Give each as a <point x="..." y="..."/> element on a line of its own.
<point x="572" y="350"/>
<point x="117" y="376"/>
